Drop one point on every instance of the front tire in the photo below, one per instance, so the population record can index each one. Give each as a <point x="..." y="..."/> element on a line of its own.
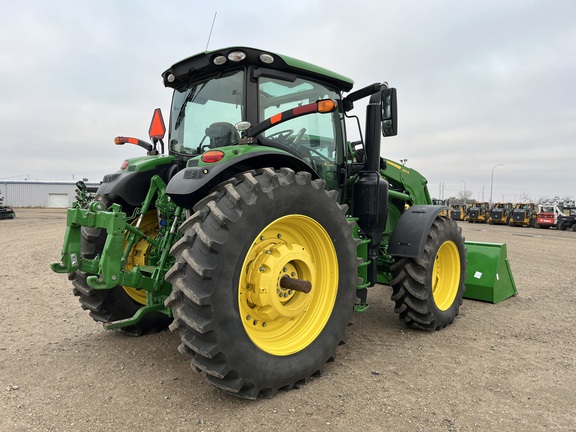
<point x="248" y="334"/>
<point x="427" y="290"/>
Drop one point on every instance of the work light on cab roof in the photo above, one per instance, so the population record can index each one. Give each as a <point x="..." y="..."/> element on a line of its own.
<point x="238" y="56"/>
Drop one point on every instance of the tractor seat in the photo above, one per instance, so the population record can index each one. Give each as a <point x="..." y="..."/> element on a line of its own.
<point x="222" y="134"/>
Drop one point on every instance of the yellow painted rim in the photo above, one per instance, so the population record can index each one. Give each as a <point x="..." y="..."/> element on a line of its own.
<point x="446" y="275"/>
<point x="138" y="256"/>
<point x="281" y="321"/>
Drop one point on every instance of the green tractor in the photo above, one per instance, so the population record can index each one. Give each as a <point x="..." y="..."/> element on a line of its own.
<point x="259" y="233"/>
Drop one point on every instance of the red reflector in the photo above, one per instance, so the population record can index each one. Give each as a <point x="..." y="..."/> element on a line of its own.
<point x="212" y="156"/>
<point x="305" y="109"/>
<point x="124" y="165"/>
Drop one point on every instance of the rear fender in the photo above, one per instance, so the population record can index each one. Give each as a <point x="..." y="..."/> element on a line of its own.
<point x="409" y="235"/>
<point x="193" y="183"/>
<point x="132" y="183"/>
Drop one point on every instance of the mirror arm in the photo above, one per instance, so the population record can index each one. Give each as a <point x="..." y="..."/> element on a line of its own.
<point x="359" y="94"/>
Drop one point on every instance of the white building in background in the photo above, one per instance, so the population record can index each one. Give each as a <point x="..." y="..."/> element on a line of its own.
<point x="27" y="193"/>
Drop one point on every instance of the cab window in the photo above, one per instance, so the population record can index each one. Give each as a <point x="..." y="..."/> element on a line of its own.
<point x="312" y="136"/>
<point x="204" y="115"/>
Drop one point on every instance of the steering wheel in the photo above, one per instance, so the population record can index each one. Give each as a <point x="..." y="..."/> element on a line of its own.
<point x="282" y="135"/>
<point x="299" y="136"/>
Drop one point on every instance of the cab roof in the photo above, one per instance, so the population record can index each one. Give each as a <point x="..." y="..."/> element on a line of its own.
<point x="211" y="62"/>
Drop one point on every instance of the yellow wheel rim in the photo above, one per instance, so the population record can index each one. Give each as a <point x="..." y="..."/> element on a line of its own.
<point x="446" y="275"/>
<point x="282" y="321"/>
<point x="139" y="254"/>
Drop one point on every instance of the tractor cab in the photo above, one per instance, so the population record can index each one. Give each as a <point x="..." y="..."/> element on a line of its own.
<point x="219" y="97"/>
<point x="241" y="108"/>
<point x="212" y="114"/>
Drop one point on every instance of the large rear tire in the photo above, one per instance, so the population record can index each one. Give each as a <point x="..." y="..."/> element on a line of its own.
<point x="251" y="336"/>
<point x="427" y="290"/>
<point x="120" y="302"/>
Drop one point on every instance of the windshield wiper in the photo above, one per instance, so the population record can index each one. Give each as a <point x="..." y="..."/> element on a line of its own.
<point x="191" y="97"/>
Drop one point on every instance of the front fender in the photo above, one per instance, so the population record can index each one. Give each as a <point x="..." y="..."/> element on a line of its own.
<point x="193" y="183"/>
<point x="409" y="235"/>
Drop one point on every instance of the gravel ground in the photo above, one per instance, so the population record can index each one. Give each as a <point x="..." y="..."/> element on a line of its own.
<point x="499" y="367"/>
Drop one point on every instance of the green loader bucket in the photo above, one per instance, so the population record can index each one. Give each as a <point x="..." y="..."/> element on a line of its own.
<point x="489" y="276"/>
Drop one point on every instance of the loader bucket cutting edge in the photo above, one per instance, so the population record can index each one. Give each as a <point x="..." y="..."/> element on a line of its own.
<point x="489" y="275"/>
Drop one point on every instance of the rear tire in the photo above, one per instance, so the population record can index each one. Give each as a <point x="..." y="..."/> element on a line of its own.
<point x="250" y="336"/>
<point x="427" y="290"/>
<point x="115" y="304"/>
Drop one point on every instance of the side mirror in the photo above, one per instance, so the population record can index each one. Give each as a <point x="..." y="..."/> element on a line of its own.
<point x="389" y="112"/>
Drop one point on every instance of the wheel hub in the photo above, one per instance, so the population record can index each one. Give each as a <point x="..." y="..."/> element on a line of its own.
<point x="269" y="299"/>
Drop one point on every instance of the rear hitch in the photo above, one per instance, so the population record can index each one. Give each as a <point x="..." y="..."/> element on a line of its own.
<point x="109" y="269"/>
<point x="136" y="318"/>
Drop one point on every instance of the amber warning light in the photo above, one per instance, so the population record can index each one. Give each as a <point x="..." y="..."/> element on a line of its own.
<point x="120" y="140"/>
<point x="326" y="105"/>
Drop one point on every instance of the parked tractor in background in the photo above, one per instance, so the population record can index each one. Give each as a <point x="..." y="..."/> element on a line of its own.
<point x="479" y="212"/>
<point x="523" y="215"/>
<point x="261" y="231"/>
<point x="567" y="220"/>
<point x="500" y="214"/>
<point x="458" y="212"/>
<point x="5" y="211"/>
<point x="547" y="216"/>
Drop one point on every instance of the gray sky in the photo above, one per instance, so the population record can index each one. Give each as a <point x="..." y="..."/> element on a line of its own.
<point x="479" y="83"/>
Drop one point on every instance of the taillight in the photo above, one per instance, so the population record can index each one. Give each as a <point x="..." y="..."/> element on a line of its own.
<point x="212" y="156"/>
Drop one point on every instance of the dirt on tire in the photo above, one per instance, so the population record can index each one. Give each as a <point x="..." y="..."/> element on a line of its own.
<point x="498" y="367"/>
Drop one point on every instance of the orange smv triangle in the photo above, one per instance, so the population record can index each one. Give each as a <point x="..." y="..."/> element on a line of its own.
<point x="157" y="128"/>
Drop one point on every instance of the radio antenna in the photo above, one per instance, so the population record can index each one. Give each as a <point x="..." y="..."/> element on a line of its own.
<point x="211" y="28"/>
